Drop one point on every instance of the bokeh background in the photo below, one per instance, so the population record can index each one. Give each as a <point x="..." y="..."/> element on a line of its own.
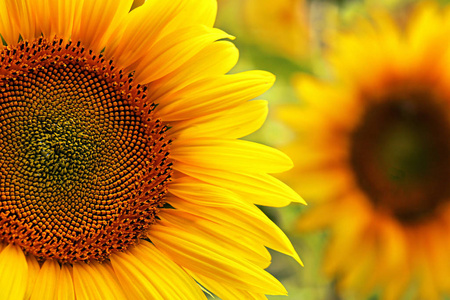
<point x="286" y="37"/>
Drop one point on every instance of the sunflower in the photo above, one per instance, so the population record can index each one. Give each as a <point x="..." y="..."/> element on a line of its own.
<point x="372" y="155"/>
<point x="122" y="175"/>
<point x="282" y="26"/>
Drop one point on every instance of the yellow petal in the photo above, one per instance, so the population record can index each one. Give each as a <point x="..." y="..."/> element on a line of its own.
<point x="339" y="180"/>
<point x="135" y="282"/>
<point x="84" y="288"/>
<point x="230" y="155"/>
<point x="33" y="271"/>
<point x="132" y="37"/>
<point x="334" y="103"/>
<point x="55" y="17"/>
<point x="47" y="281"/>
<point x="232" y="123"/>
<point x="213" y="60"/>
<point x="92" y="281"/>
<point x="154" y="19"/>
<point x="261" y="189"/>
<point x="194" y="12"/>
<point x="65" y="289"/>
<point x="177" y="283"/>
<point x="98" y="20"/>
<point x="20" y="16"/>
<point x="226" y="292"/>
<point x="145" y="273"/>
<point x="213" y="94"/>
<point x="209" y="259"/>
<point x="232" y="241"/>
<point x="13" y="273"/>
<point x="249" y="222"/>
<point x="106" y="281"/>
<point x="8" y="29"/>
<point x="173" y="50"/>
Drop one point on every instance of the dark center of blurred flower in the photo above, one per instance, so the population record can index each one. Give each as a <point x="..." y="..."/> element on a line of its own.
<point x="400" y="153"/>
<point x="83" y="162"/>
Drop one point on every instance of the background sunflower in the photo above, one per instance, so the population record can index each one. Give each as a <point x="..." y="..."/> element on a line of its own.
<point x="325" y="20"/>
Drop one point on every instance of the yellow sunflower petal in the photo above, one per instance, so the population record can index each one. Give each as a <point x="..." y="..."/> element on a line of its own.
<point x="177" y="284"/>
<point x="214" y="94"/>
<point x="132" y="37"/>
<point x="261" y="189"/>
<point x="20" y="16"/>
<point x="338" y="180"/>
<point x="173" y="50"/>
<point x="14" y="273"/>
<point x="226" y="292"/>
<point x="106" y="281"/>
<point x="33" y="271"/>
<point x="199" y="193"/>
<point x="65" y="288"/>
<point x="359" y="274"/>
<point x="241" y="247"/>
<point x="351" y="224"/>
<point x="97" y="21"/>
<point x="230" y="155"/>
<point x="47" y="281"/>
<point x="92" y="281"/>
<point x="147" y="274"/>
<point x="55" y="17"/>
<point x="133" y="40"/>
<point x="84" y="287"/>
<point x="251" y="223"/>
<point x="8" y="29"/>
<point x="215" y="59"/>
<point x="199" y="255"/>
<point x="395" y="288"/>
<point x="195" y="12"/>
<point x="233" y="123"/>
<point x="333" y="103"/>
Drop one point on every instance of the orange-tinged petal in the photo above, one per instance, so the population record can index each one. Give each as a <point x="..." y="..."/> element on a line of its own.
<point x="24" y="17"/>
<point x="13" y="273"/>
<point x="65" y="287"/>
<point x="8" y="29"/>
<point x="97" y="21"/>
<point x="33" y="271"/>
<point x="55" y="17"/>
<point x="47" y="281"/>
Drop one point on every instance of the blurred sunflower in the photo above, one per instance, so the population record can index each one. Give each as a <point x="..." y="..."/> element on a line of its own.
<point x="372" y="155"/>
<point x="121" y="172"/>
<point x="282" y="26"/>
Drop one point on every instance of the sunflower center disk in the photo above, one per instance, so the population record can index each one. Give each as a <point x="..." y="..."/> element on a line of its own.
<point x="83" y="163"/>
<point x="400" y="153"/>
